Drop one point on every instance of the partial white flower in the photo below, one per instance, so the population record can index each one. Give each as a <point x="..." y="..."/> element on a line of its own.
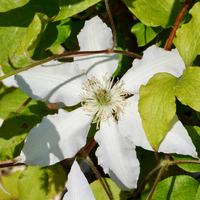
<point x="88" y="80"/>
<point x="77" y="185"/>
<point x="10" y="81"/>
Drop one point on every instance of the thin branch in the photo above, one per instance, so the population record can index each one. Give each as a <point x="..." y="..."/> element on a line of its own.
<point x="176" y="25"/>
<point x="128" y="53"/>
<point x="112" y="24"/>
<point x="185" y="161"/>
<point x="91" y="164"/>
<point x="23" y="105"/>
<point x="66" y="55"/>
<point x="3" y="165"/>
<point x="157" y="180"/>
<point x="115" y="11"/>
<point x="146" y="179"/>
<point x="89" y="147"/>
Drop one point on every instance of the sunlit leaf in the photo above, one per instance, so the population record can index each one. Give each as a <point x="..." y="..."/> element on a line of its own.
<point x="145" y="34"/>
<point x="177" y="187"/>
<point x="188" y="38"/>
<point x="71" y="7"/>
<point x="29" y="40"/>
<point x="55" y="33"/>
<point x="47" y="182"/>
<point x="7" y="5"/>
<point x="14" y="23"/>
<point x="10" y="100"/>
<point x="10" y="184"/>
<point x="155" y="12"/>
<point x="33" y="176"/>
<point x="157" y="106"/>
<point x="188" y="88"/>
<point x="100" y="193"/>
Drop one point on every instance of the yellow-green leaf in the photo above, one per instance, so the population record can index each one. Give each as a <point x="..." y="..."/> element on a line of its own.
<point x="71" y="7"/>
<point x="157" y="106"/>
<point x="188" y="88"/>
<point x="155" y="12"/>
<point x="188" y="37"/>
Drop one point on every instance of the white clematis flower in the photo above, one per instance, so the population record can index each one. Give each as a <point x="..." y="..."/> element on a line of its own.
<point x="87" y="80"/>
<point x="77" y="185"/>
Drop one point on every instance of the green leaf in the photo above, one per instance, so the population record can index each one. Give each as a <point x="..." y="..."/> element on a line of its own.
<point x="71" y="7"/>
<point x="177" y="187"/>
<point x="16" y="127"/>
<point x="7" y="5"/>
<point x="155" y="12"/>
<point x="144" y="34"/>
<point x="14" y="23"/>
<point x="194" y="133"/>
<point x="188" y="37"/>
<point x="29" y="40"/>
<point x="157" y="106"/>
<point x="55" y="33"/>
<point x="10" y="184"/>
<point x="99" y="192"/>
<point x="34" y="29"/>
<point x="56" y="180"/>
<point x="188" y="88"/>
<point x="33" y="176"/>
<point x="47" y="181"/>
<point x="10" y="100"/>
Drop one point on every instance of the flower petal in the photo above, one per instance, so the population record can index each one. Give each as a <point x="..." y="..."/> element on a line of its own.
<point x="77" y="185"/>
<point x="10" y="81"/>
<point x="130" y="125"/>
<point x="177" y="140"/>
<point x="117" y="156"/>
<point x="96" y="36"/>
<point x="57" y="137"/>
<point x="154" y="60"/>
<point x="54" y="81"/>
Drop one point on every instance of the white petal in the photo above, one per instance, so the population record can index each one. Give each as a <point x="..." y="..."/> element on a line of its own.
<point x="154" y="60"/>
<point x="117" y="156"/>
<point x="10" y="81"/>
<point x="57" y="137"/>
<point x="177" y="140"/>
<point x="77" y="185"/>
<point x="96" y="36"/>
<point x="54" y="81"/>
<point x="130" y="125"/>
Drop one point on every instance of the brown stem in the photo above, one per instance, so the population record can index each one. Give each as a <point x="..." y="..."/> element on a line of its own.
<point x="115" y="11"/>
<point x="89" y="147"/>
<point x="2" y="165"/>
<point x="157" y="180"/>
<point x="145" y="180"/>
<point x="112" y="24"/>
<point x="176" y="25"/>
<point x="66" y="55"/>
<point x="23" y="105"/>
<point x="185" y="161"/>
<point x="128" y="53"/>
<point x="91" y="164"/>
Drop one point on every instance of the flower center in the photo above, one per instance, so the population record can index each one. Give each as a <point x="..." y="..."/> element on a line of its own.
<point x="103" y="101"/>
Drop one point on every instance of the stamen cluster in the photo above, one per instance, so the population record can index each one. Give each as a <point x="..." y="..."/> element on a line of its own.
<point x="103" y="101"/>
